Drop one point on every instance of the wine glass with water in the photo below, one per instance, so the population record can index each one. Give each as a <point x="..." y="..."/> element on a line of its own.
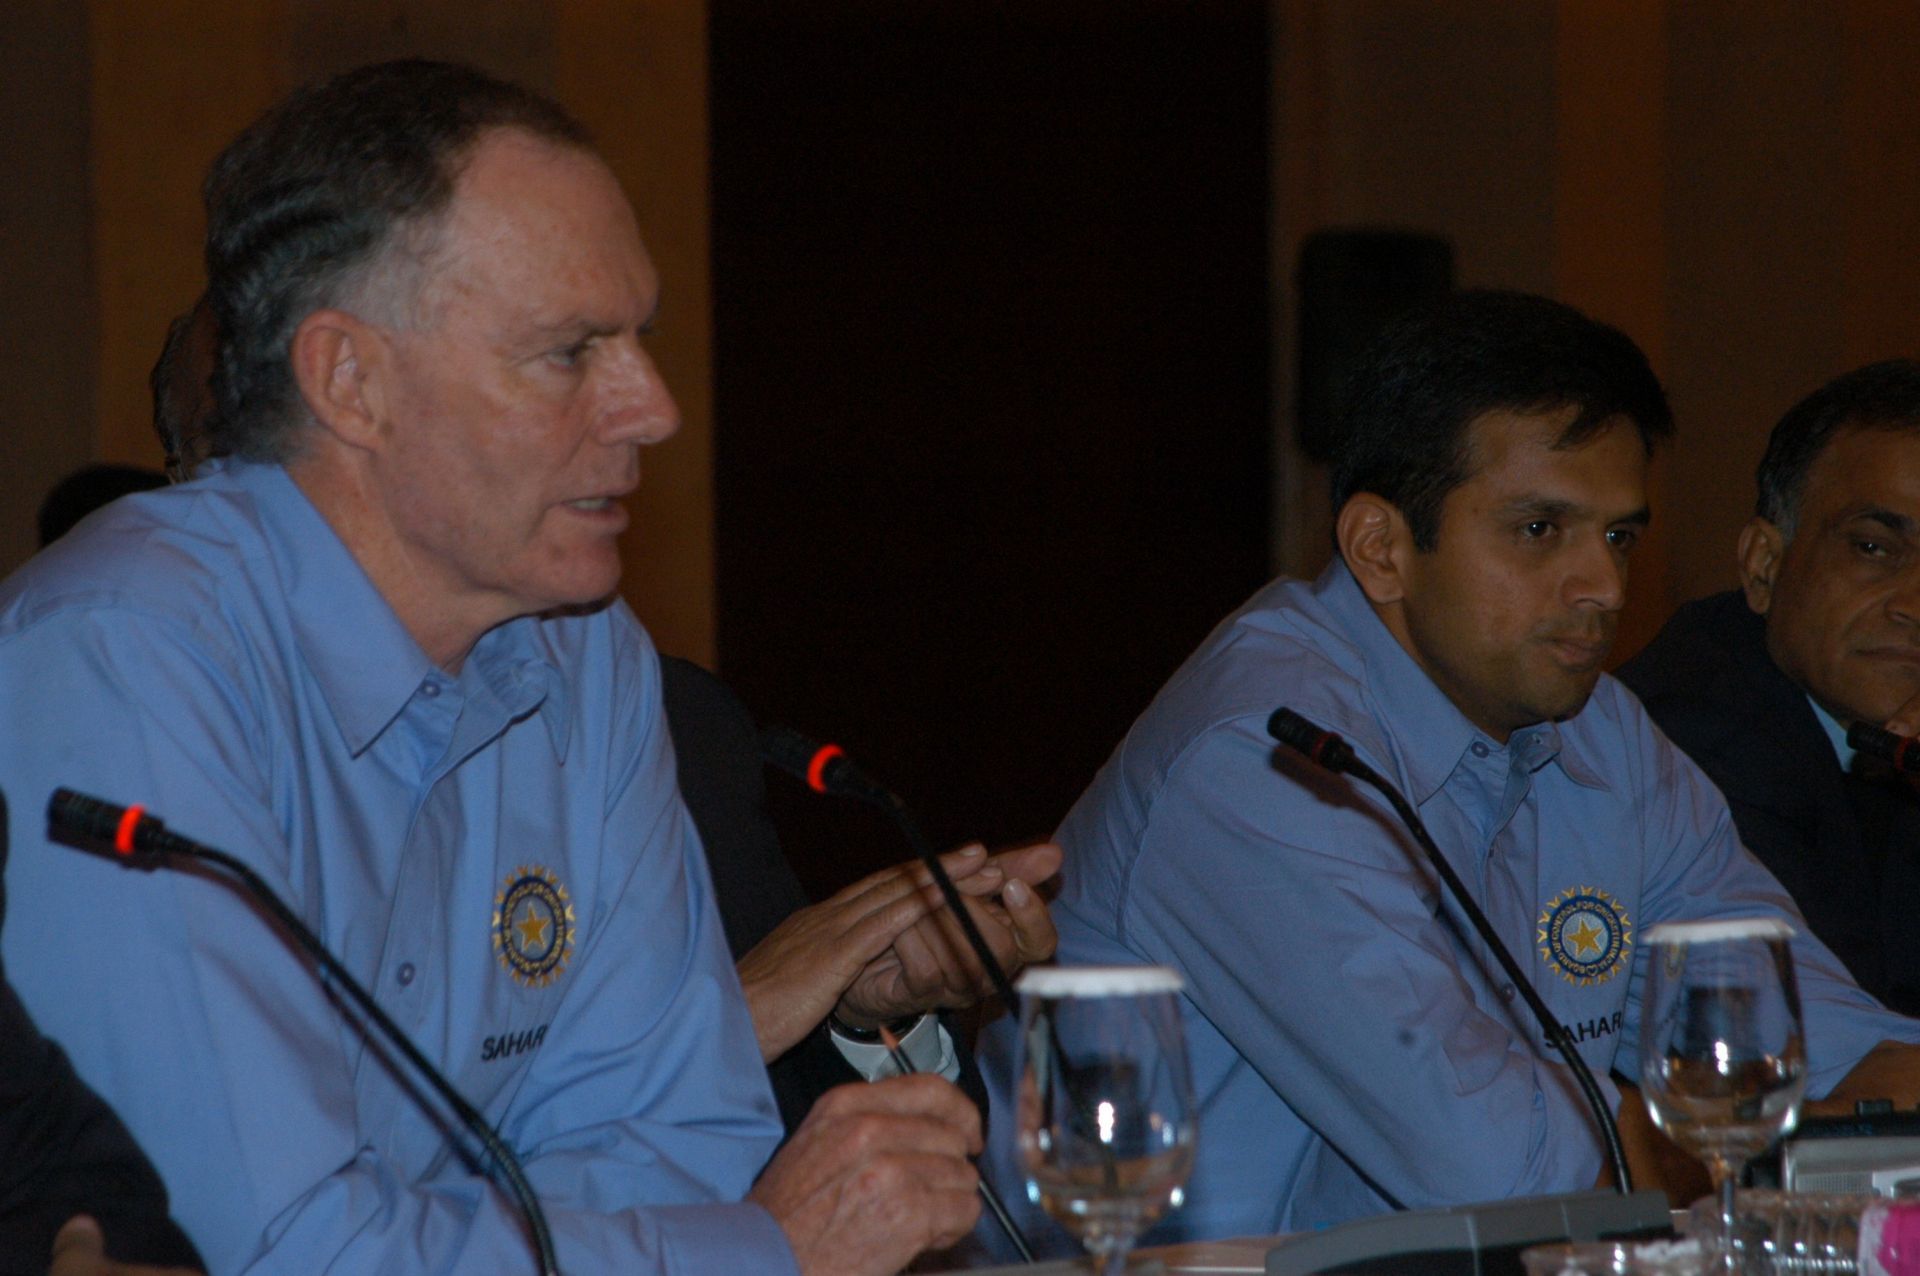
<point x="1105" y="1103"/>
<point x="1723" y="1061"/>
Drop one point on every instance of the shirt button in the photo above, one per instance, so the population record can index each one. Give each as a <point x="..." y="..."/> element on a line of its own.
<point x="405" y="973"/>
<point x="429" y="689"/>
<point x="1508" y="992"/>
<point x="1479" y="749"/>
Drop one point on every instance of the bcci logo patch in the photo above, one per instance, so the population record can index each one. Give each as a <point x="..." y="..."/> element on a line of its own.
<point x="533" y="926"/>
<point x="1584" y="936"/>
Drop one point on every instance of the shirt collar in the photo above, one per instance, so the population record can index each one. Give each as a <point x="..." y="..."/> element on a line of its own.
<point x="365" y="663"/>
<point x="1836" y="734"/>
<point x="1424" y="727"/>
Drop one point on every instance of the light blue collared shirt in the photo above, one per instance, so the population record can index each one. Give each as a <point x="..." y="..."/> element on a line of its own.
<point x="501" y="857"/>
<point x="1351" y="1051"/>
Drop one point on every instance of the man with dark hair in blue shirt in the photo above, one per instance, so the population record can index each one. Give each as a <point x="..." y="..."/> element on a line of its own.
<point x="1354" y="1048"/>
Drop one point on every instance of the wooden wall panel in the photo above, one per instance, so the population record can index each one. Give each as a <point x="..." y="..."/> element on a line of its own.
<point x="1609" y="228"/>
<point x="636" y="70"/>
<point x="171" y="84"/>
<point x="48" y="311"/>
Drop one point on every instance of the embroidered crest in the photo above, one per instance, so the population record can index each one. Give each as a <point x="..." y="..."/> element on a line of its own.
<point x="1584" y="936"/>
<point x="533" y="926"/>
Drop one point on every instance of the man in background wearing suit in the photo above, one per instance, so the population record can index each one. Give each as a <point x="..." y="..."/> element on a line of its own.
<point x="1759" y="685"/>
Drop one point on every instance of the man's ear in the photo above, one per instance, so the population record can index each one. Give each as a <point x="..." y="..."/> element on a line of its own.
<point x="1374" y="539"/>
<point x="336" y="358"/>
<point x="1761" y="549"/>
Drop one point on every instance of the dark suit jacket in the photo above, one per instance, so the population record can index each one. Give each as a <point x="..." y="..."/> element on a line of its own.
<point x="717" y="752"/>
<point x="1846" y="846"/>
<point x="63" y="1152"/>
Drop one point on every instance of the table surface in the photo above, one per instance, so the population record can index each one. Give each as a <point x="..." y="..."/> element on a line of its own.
<point x="1195" y="1258"/>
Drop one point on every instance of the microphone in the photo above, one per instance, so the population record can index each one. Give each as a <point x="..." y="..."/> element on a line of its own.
<point x="1326" y="749"/>
<point x="139" y="840"/>
<point x="1897" y="751"/>
<point x="826" y="768"/>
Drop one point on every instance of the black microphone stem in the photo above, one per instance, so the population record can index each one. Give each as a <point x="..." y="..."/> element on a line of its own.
<point x="153" y="840"/>
<point x="1334" y="754"/>
<point x="910" y="829"/>
<point x="802" y="757"/>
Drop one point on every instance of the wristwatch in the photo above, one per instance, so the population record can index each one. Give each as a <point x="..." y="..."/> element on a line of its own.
<point x="871" y="1036"/>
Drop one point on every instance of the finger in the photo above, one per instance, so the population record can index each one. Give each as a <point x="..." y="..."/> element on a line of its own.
<point x="921" y="1094"/>
<point x="868" y="935"/>
<point x="878" y="887"/>
<point x="1031" y="864"/>
<point x="939" y="1173"/>
<point x="948" y="942"/>
<point x="924" y="969"/>
<point x="1034" y="937"/>
<point x="1905" y="719"/>
<point x="969" y="868"/>
<point x="79" y="1239"/>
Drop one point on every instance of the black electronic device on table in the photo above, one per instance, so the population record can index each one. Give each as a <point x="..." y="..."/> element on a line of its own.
<point x="1470" y="1240"/>
<point x="1876" y="1150"/>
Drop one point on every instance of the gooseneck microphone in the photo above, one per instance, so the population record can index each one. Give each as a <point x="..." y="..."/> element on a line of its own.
<point x="826" y="768"/>
<point x="1897" y="751"/>
<point x="140" y="841"/>
<point x="1327" y="750"/>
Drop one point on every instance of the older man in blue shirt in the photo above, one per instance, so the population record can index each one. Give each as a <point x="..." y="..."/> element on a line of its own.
<point x="371" y="655"/>
<point x="1354" y="1048"/>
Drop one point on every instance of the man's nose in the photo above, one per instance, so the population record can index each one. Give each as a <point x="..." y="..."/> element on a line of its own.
<point x="1599" y="578"/>
<point x="636" y="406"/>
<point x="1903" y="602"/>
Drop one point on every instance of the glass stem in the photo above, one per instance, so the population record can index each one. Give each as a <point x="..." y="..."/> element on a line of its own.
<point x="1724" y="1181"/>
<point x="1115" y="1262"/>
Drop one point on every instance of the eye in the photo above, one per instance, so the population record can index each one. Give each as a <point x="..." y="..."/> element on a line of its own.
<point x="1538" y="529"/>
<point x="1623" y="538"/>
<point x="569" y="356"/>
<point x="1871" y="548"/>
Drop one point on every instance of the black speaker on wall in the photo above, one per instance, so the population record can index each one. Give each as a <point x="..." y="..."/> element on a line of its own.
<point x="1353" y="283"/>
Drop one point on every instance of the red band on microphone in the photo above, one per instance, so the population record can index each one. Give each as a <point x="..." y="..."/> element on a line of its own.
<point x="123" y="836"/>
<point x="817" y="767"/>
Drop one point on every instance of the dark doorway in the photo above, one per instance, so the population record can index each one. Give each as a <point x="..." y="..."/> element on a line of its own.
<point x="992" y="383"/>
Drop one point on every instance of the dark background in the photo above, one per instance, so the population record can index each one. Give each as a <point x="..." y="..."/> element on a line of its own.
<point x="992" y="367"/>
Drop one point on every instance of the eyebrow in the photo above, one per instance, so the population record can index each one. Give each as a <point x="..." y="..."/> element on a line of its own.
<point x="576" y="325"/>
<point x="1892" y="520"/>
<point x="1546" y="507"/>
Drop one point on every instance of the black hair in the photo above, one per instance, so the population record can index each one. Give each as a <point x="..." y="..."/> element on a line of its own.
<point x="319" y="188"/>
<point x="1415" y="390"/>
<point x="1883" y="395"/>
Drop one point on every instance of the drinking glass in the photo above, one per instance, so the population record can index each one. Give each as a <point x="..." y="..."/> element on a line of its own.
<point x="1105" y="1102"/>
<point x="1723" y="1061"/>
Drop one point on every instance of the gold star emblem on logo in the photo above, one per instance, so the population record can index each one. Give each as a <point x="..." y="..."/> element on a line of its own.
<point x="533" y="931"/>
<point x="1586" y="938"/>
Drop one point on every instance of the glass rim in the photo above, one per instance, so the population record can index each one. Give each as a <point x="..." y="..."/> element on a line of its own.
<point x="1098" y="981"/>
<point x="1723" y="928"/>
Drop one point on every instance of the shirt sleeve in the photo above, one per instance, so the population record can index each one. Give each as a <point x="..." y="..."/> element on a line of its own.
<point x="1312" y="943"/>
<point x="926" y="1045"/>
<point x="229" y="1060"/>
